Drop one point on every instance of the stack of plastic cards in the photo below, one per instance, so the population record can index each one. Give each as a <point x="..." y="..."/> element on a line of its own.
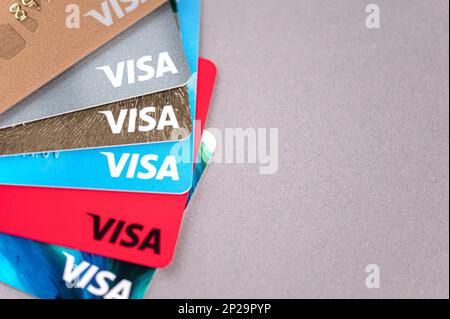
<point x="101" y="150"/>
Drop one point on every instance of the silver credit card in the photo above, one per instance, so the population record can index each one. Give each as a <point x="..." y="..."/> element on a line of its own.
<point x="145" y="59"/>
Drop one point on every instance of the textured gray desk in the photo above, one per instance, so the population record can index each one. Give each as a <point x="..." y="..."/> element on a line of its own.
<point x="363" y="174"/>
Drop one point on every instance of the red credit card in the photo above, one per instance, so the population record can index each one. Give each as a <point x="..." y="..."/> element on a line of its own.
<point x="133" y="227"/>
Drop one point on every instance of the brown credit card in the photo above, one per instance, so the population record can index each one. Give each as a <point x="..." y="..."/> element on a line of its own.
<point x="157" y="117"/>
<point x="39" y="39"/>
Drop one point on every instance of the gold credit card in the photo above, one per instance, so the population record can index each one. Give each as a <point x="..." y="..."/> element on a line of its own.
<point x="39" y="39"/>
<point x="157" y="117"/>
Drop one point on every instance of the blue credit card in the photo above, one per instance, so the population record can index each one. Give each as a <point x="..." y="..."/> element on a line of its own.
<point x="155" y="168"/>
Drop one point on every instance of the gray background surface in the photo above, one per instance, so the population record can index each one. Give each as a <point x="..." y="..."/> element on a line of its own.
<point x="363" y="174"/>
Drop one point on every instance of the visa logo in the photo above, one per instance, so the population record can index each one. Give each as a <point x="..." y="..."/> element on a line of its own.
<point x="166" y="119"/>
<point x="116" y="6"/>
<point x="146" y="71"/>
<point x="147" y="170"/>
<point x="95" y="281"/>
<point x="127" y="235"/>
